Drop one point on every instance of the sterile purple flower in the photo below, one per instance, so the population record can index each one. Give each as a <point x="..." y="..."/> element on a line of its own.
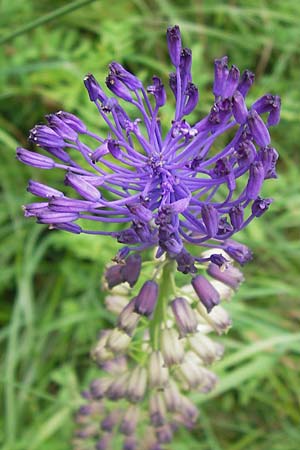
<point x="136" y="176"/>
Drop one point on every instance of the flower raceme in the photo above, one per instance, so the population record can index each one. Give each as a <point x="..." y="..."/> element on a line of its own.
<point x="164" y="190"/>
<point x="171" y="191"/>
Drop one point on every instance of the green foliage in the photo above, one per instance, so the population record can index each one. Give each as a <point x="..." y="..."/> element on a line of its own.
<point x="51" y="305"/>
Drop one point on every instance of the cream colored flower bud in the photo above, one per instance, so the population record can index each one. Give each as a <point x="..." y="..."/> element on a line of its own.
<point x="118" y="387"/>
<point x="128" y="319"/>
<point x="207" y="350"/>
<point x="158" y="374"/>
<point x="192" y="373"/>
<point x="118" y="341"/>
<point x="115" y="303"/>
<point x="137" y="384"/>
<point x="171" y="347"/>
<point x="100" y="353"/>
<point x="157" y="409"/>
<point x="220" y="319"/>
<point x="172" y="396"/>
<point x="209" y="380"/>
<point x="130" y="419"/>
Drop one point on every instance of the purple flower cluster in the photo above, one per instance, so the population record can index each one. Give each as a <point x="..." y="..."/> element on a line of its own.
<point x="165" y="189"/>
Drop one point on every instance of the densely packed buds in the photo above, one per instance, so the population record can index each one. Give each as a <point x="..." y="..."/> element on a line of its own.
<point x="152" y="362"/>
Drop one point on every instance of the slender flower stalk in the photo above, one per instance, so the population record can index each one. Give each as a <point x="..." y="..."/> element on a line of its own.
<point x="170" y="193"/>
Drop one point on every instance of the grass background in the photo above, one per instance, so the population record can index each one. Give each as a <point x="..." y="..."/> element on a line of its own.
<point x="51" y="304"/>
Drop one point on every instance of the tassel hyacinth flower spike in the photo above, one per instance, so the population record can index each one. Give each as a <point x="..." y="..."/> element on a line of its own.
<point x="176" y="195"/>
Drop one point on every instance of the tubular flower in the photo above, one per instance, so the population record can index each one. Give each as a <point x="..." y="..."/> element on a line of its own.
<point x="163" y="189"/>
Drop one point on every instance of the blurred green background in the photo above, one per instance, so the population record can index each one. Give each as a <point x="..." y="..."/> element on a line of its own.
<point x="51" y="304"/>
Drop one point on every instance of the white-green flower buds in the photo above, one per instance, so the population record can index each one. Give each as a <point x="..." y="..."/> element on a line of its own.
<point x="171" y="347"/>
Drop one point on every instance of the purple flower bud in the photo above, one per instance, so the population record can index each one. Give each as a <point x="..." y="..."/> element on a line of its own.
<point x="174" y="44"/>
<point x="181" y="127"/>
<point x="236" y="214"/>
<point x="104" y="442"/>
<point x="99" y="152"/>
<point x="185" y="262"/>
<point x="109" y="105"/>
<point x="164" y="434"/>
<point x="72" y="121"/>
<point x="239" y="108"/>
<point x="258" y="129"/>
<point x="114" y="275"/>
<point x="93" y="87"/>
<point x="210" y="217"/>
<point x="137" y="209"/>
<point x="232" y="82"/>
<point x="221" y="74"/>
<point x="224" y="227"/>
<point x="59" y="153"/>
<point x="117" y="87"/>
<point x="53" y="217"/>
<point x="260" y="206"/>
<point x="80" y="185"/>
<point x="192" y="95"/>
<point x="268" y="156"/>
<point x="66" y="204"/>
<point x="207" y="294"/>
<point x="185" y="64"/>
<point x="114" y="148"/>
<point x="274" y="116"/>
<point x="70" y="227"/>
<point x="229" y="275"/>
<point x="245" y="153"/>
<point x="61" y="128"/>
<point x="128" y="236"/>
<point x="173" y="83"/>
<point x="146" y="298"/>
<point x="42" y="190"/>
<point x="130" y="443"/>
<point x="33" y="209"/>
<point x="132" y="268"/>
<point x="34" y="159"/>
<point x="271" y="104"/>
<point x="45" y="137"/>
<point x="255" y="181"/>
<point x="130" y="80"/>
<point x="109" y="422"/>
<point x="218" y="259"/>
<point x="246" y="82"/>
<point x="158" y="90"/>
<point x="239" y="252"/>
<point x="185" y="316"/>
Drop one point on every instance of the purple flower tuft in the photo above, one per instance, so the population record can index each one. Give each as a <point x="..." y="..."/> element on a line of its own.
<point x="161" y="190"/>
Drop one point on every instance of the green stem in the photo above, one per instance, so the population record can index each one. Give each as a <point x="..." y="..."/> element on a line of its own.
<point x="46" y="18"/>
<point x="165" y="290"/>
